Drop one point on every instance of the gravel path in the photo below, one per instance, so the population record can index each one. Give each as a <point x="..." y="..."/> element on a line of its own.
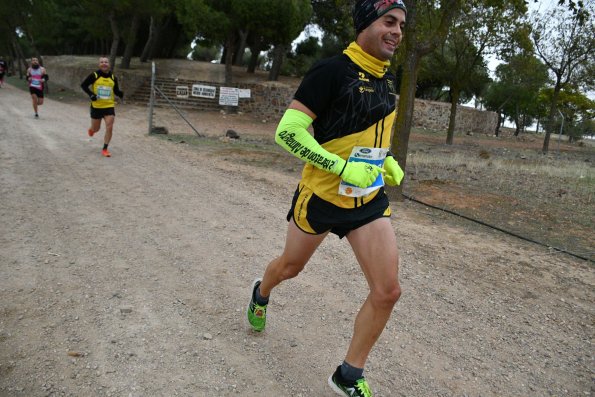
<point x="129" y="276"/>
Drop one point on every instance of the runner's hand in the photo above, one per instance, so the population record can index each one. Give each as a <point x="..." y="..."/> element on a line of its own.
<point x="394" y="173"/>
<point x="360" y="174"/>
<point x="93" y="97"/>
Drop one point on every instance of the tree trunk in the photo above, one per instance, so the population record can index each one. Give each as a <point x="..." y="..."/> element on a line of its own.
<point x="144" y="56"/>
<point x="415" y="49"/>
<point x="537" y="126"/>
<point x="157" y="37"/>
<point x="404" y="119"/>
<point x="255" y="50"/>
<point x="20" y="59"/>
<point x="278" y="54"/>
<point x="551" y="117"/>
<point x="34" y="47"/>
<point x="229" y="50"/>
<point x="517" y="125"/>
<point x="498" y="124"/>
<point x="455" y="93"/>
<point x="130" y="42"/>
<point x="238" y="58"/>
<point x="523" y="123"/>
<point x="255" y="53"/>
<point x="115" y="40"/>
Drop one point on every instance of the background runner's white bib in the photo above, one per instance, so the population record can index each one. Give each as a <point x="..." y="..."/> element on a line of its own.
<point x="104" y="92"/>
<point x="368" y="155"/>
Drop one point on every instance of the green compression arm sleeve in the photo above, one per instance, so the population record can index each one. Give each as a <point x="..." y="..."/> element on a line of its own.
<point x="293" y="136"/>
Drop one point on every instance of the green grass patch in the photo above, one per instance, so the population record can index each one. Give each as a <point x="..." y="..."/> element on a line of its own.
<point x="22" y="84"/>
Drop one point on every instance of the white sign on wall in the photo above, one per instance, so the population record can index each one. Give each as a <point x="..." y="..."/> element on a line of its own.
<point x="228" y="96"/>
<point x="182" y="91"/>
<point x="244" y="92"/>
<point x="204" y="91"/>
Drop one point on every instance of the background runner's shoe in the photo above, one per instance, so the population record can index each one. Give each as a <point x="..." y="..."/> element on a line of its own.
<point x="257" y="314"/>
<point x="106" y="153"/>
<point x="359" y="388"/>
<point x="90" y="132"/>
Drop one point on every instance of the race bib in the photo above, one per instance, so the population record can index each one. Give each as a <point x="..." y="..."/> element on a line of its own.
<point x="104" y="92"/>
<point x="368" y="155"/>
<point x="35" y="83"/>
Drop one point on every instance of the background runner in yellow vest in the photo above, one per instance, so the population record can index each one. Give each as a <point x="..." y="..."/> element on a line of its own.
<point x="36" y="76"/>
<point x="102" y="87"/>
<point x="349" y="100"/>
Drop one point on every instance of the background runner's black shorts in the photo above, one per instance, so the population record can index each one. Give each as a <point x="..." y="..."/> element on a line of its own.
<point x="36" y="91"/>
<point x="101" y="113"/>
<point x="314" y="215"/>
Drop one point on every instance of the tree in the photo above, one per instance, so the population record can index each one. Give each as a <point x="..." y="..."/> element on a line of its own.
<point x="291" y="17"/>
<point x="426" y="28"/>
<point x="483" y="26"/>
<point x="334" y="18"/>
<point x="460" y="64"/>
<point x="299" y="61"/>
<point x="565" y="42"/>
<point x="578" y="111"/>
<point x="516" y="91"/>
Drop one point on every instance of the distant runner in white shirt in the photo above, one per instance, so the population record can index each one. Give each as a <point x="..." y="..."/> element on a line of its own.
<point x="36" y="76"/>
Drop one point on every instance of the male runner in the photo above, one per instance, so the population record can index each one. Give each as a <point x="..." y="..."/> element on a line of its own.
<point x="37" y="76"/>
<point x="103" y="87"/>
<point x="3" y="70"/>
<point x="350" y="101"/>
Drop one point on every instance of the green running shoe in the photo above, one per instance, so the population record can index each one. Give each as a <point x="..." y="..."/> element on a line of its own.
<point x="257" y="314"/>
<point x="359" y="388"/>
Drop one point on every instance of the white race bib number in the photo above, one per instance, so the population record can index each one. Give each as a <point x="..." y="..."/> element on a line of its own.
<point x="368" y="155"/>
<point x="104" y="92"/>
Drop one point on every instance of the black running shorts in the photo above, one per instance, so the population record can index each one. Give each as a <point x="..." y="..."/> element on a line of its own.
<point x="313" y="215"/>
<point x="101" y="113"/>
<point x="36" y="91"/>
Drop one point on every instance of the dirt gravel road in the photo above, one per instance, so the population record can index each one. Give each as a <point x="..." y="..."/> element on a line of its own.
<point x="129" y="276"/>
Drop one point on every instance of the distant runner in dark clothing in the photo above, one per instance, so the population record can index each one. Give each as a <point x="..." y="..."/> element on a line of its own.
<point x="3" y="69"/>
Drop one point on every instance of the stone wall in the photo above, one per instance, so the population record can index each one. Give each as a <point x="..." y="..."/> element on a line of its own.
<point x="435" y="116"/>
<point x="69" y="72"/>
<point x="269" y="102"/>
<point x="268" y="99"/>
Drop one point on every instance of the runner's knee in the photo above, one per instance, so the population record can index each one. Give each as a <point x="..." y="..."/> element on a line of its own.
<point x="291" y="269"/>
<point x="387" y="295"/>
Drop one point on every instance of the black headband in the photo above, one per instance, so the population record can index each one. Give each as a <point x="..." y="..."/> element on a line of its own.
<point x="366" y="12"/>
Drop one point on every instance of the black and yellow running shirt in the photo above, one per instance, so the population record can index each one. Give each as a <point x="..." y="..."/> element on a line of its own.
<point x="353" y="98"/>
<point x="104" y="86"/>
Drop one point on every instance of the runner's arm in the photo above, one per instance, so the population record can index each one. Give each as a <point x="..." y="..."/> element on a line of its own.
<point x="85" y="86"/>
<point x="293" y="136"/>
<point x="117" y="90"/>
